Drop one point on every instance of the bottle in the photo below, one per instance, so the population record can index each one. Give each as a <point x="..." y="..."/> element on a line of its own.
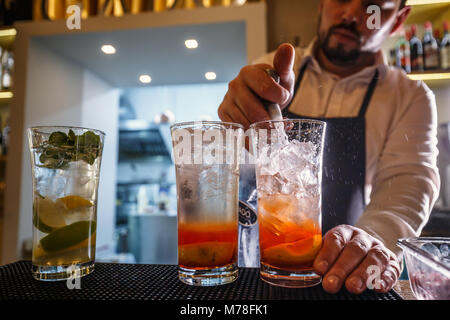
<point x="249" y="254"/>
<point x="5" y="137"/>
<point x="6" y="79"/>
<point x="404" y="53"/>
<point x="437" y="36"/>
<point x="416" y="51"/>
<point x="1" y="136"/>
<point x="6" y="62"/>
<point x="393" y="57"/>
<point x="445" y="48"/>
<point x="248" y="219"/>
<point x="1" y="67"/>
<point x="431" y="55"/>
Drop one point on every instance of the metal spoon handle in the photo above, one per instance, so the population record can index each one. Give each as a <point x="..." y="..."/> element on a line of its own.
<point x="273" y="109"/>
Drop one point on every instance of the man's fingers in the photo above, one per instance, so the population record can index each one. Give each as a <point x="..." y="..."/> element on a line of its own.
<point x="370" y="271"/>
<point x="230" y="112"/>
<point x="237" y="116"/>
<point x="283" y="63"/>
<point x="388" y="278"/>
<point x="334" y="242"/>
<point x="353" y="254"/>
<point x="258" y="81"/>
<point x="247" y="102"/>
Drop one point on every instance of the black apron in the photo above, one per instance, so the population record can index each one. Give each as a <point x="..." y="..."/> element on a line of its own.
<point x="344" y="162"/>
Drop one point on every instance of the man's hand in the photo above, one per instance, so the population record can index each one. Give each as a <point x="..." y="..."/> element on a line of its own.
<point x="242" y="103"/>
<point x="345" y="257"/>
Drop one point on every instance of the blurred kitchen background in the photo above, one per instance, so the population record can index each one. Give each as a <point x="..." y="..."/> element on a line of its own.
<point x="134" y="68"/>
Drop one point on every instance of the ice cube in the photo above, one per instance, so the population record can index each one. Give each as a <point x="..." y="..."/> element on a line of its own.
<point x="444" y="250"/>
<point x="431" y="249"/>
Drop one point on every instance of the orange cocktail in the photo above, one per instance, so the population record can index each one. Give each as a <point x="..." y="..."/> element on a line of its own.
<point x="288" y="157"/>
<point x="289" y="239"/>
<point x="207" y="245"/>
<point x="206" y="156"/>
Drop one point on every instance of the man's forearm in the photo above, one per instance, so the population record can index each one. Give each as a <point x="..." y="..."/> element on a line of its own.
<point x="400" y="207"/>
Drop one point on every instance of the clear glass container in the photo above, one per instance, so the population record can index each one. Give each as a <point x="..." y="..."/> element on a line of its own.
<point x="428" y="264"/>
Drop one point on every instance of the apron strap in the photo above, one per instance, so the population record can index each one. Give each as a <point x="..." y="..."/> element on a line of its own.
<point x="297" y="85"/>
<point x="369" y="94"/>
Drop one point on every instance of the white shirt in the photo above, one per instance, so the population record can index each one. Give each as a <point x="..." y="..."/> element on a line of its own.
<point x="402" y="178"/>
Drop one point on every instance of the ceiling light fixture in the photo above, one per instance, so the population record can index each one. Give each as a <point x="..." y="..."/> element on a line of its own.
<point x="145" y="78"/>
<point x="210" y="76"/>
<point x="108" y="49"/>
<point x="191" y="44"/>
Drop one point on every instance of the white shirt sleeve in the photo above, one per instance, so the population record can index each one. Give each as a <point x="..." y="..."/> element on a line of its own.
<point x="406" y="183"/>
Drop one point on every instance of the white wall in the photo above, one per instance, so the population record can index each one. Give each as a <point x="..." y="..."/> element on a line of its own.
<point x="59" y="92"/>
<point x="100" y="111"/>
<point x="53" y="101"/>
<point x="187" y="102"/>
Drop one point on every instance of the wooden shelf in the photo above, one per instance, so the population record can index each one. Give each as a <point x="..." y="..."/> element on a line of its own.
<point x="430" y="12"/>
<point x="430" y="75"/>
<point x="5" y="96"/>
<point x="7" y="37"/>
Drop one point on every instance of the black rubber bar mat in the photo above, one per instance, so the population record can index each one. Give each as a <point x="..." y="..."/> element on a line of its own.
<point x="111" y="281"/>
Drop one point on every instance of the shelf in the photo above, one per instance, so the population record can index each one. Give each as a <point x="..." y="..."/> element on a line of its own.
<point x="434" y="12"/>
<point x="425" y="2"/>
<point x="431" y="75"/>
<point x="7" y="37"/>
<point x="5" y="96"/>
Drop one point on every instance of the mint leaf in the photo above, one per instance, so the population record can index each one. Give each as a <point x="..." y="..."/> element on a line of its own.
<point x="57" y="138"/>
<point x="61" y="148"/>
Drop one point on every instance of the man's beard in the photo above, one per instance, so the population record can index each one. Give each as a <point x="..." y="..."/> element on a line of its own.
<point x="339" y="55"/>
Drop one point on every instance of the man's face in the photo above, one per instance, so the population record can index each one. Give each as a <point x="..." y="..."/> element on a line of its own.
<point x="344" y="33"/>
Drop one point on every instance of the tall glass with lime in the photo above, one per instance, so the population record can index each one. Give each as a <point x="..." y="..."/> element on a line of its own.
<point x="65" y="164"/>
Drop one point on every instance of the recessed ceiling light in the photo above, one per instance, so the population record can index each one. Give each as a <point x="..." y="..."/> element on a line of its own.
<point x="108" y="49"/>
<point x="145" y="78"/>
<point x="191" y="44"/>
<point x="210" y="76"/>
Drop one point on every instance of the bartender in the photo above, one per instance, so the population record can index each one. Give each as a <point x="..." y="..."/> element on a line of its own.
<point x="381" y="127"/>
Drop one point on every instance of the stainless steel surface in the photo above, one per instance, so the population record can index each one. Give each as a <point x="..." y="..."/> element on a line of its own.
<point x="142" y="139"/>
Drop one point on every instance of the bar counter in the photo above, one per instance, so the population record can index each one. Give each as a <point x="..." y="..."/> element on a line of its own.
<point x="137" y="282"/>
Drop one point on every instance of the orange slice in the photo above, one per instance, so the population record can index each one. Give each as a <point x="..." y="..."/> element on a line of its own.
<point x="293" y="254"/>
<point x="206" y="254"/>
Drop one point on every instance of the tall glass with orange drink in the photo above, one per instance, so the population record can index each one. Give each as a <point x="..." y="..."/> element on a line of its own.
<point x="207" y="158"/>
<point x="288" y="156"/>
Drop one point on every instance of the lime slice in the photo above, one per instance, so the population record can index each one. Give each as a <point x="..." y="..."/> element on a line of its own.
<point x="68" y="236"/>
<point x="74" y="202"/>
<point x="47" y="215"/>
